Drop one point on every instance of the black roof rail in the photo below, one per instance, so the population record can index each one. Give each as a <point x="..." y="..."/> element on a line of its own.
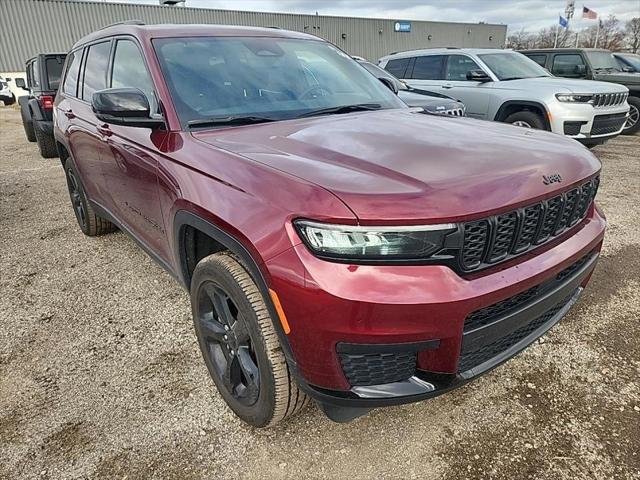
<point x="125" y="22"/>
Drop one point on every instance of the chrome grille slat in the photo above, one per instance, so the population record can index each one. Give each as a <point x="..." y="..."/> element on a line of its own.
<point x="491" y="240"/>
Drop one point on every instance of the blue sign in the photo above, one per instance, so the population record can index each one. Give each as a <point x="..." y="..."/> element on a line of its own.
<point x="402" y="26"/>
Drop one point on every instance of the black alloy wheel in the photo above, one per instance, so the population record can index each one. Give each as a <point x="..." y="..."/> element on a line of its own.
<point x="228" y="346"/>
<point x="77" y="199"/>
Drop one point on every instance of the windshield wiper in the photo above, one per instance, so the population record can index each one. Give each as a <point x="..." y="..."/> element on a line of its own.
<point x="358" y="107"/>
<point x="229" y="120"/>
<point x="511" y="78"/>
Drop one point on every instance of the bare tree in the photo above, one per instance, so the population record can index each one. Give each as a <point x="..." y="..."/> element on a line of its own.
<point x="546" y="38"/>
<point x="521" y="40"/>
<point x="632" y="34"/>
<point x="609" y="37"/>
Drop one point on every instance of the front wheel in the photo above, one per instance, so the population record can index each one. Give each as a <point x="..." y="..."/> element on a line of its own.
<point x="526" y="119"/>
<point x="633" y="121"/>
<point x="239" y="343"/>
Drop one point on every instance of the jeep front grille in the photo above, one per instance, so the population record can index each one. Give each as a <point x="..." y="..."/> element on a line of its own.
<point x="609" y="99"/>
<point x="501" y="237"/>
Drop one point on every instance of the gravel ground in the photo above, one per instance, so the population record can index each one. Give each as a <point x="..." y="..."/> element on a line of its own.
<point x="101" y="377"/>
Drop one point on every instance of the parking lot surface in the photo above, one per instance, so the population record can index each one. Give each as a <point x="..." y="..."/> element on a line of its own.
<point x="101" y="376"/>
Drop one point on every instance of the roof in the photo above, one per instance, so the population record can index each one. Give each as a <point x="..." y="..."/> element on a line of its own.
<point x="565" y="49"/>
<point x="189" y="30"/>
<point x="444" y="51"/>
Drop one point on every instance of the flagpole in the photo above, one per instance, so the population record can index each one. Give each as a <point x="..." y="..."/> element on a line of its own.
<point x="555" y="43"/>
<point x="597" y="34"/>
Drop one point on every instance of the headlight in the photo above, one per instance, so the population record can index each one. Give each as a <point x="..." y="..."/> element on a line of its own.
<point x="571" y="97"/>
<point x="373" y="243"/>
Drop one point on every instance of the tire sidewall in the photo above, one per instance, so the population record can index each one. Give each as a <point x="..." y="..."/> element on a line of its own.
<point x="69" y="165"/>
<point x="531" y="118"/>
<point x="634" y="102"/>
<point x="261" y="412"/>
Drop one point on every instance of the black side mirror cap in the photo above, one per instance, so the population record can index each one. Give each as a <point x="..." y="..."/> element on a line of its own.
<point x="391" y="85"/>
<point x="478" y="76"/>
<point x="20" y="83"/>
<point x="124" y="106"/>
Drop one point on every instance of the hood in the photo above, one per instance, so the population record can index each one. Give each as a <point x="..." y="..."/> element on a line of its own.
<point x="426" y="101"/>
<point x="624" y="78"/>
<point x="399" y="166"/>
<point x="560" y="85"/>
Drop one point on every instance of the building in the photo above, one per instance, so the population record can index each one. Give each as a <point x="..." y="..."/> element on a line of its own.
<point x="28" y="27"/>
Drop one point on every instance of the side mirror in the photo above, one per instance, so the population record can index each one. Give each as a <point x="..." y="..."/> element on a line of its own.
<point x="390" y="84"/>
<point x="478" y="76"/>
<point x="20" y="83"/>
<point x="628" y="69"/>
<point x="124" y="106"/>
<point x="580" y="69"/>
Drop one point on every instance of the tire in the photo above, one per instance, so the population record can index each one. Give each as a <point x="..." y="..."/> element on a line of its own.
<point x="240" y="346"/>
<point x="91" y="224"/>
<point x="27" y="123"/>
<point x="46" y="142"/>
<point x="526" y="119"/>
<point x="11" y="101"/>
<point x="633" y="122"/>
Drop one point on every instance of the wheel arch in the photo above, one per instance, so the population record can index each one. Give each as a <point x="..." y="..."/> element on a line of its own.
<point x="512" y="106"/>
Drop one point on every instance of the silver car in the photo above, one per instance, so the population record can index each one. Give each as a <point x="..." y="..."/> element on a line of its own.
<point x="506" y="86"/>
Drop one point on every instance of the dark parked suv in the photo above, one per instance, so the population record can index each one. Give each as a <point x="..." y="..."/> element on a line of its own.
<point x="593" y="64"/>
<point x="336" y="244"/>
<point x="36" y="108"/>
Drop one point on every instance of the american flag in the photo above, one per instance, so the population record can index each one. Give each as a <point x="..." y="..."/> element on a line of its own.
<point x="588" y="13"/>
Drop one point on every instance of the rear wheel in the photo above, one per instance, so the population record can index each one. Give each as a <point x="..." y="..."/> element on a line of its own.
<point x="239" y="343"/>
<point x="27" y="123"/>
<point x="46" y="142"/>
<point x="526" y="119"/>
<point x="90" y="223"/>
<point x="633" y="122"/>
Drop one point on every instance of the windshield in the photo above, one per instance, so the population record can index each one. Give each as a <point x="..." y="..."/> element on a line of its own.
<point x="632" y="60"/>
<point x="512" y="66"/>
<point x="264" y="78"/>
<point x="602" y="60"/>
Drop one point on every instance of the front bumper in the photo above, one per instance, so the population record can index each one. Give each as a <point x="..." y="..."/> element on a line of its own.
<point x="338" y="309"/>
<point x="586" y="123"/>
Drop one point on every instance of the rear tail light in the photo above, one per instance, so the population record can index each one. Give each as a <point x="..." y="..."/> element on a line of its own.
<point x="46" y="102"/>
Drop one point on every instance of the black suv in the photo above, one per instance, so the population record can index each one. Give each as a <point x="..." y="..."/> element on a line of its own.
<point x="592" y="64"/>
<point x="43" y="77"/>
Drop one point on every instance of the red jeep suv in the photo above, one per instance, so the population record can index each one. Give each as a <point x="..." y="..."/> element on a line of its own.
<point x="337" y="244"/>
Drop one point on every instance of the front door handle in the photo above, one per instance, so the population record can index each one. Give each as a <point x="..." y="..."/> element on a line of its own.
<point x="447" y="85"/>
<point x="104" y="130"/>
<point x="69" y="114"/>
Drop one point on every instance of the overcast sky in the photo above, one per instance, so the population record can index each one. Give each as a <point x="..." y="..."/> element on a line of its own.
<point x="528" y="14"/>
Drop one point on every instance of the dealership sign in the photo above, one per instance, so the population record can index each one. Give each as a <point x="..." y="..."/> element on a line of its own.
<point x="402" y="26"/>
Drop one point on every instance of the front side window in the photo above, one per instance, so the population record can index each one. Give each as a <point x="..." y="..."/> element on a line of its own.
<point x="458" y="66"/>
<point x="512" y="66"/>
<point x="428" y="68"/>
<point x="129" y="71"/>
<point x="273" y="78"/>
<point x="70" y="85"/>
<point x="568" y="65"/>
<point x="539" y="59"/>
<point x="95" y="70"/>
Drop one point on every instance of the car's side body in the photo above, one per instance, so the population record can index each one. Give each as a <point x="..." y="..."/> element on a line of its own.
<point x="184" y="195"/>
<point x="494" y="99"/>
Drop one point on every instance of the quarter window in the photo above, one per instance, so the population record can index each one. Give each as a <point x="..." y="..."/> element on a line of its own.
<point x="458" y="66"/>
<point x="71" y="78"/>
<point x="568" y="65"/>
<point x="428" y="68"/>
<point x="95" y="70"/>
<point x="397" y="67"/>
<point x="129" y="71"/>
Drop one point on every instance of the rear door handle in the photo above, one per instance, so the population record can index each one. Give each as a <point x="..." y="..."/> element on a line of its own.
<point x="69" y="114"/>
<point x="104" y="130"/>
<point x="447" y="85"/>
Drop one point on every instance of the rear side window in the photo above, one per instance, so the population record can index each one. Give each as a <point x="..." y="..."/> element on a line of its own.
<point x="53" y="66"/>
<point x="95" y="70"/>
<point x="397" y="67"/>
<point x="428" y="68"/>
<point x="567" y="65"/>
<point x="71" y="78"/>
<point x="129" y="71"/>
<point x="539" y="59"/>
<point x="458" y="66"/>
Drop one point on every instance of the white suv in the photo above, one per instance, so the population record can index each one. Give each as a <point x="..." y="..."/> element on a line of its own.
<point x="506" y="86"/>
